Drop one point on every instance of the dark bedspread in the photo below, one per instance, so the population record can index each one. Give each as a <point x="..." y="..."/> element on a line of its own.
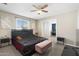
<point x="26" y="46"/>
<point x="32" y="41"/>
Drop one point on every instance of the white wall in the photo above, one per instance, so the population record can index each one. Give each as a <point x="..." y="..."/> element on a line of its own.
<point x="45" y="27"/>
<point x="8" y="22"/>
<point x="66" y="26"/>
<point x="77" y="31"/>
<point x="78" y="20"/>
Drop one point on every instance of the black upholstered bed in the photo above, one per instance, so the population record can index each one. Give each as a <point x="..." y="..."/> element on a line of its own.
<point x="26" y="46"/>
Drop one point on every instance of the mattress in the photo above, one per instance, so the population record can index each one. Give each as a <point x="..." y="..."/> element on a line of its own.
<point x="31" y="41"/>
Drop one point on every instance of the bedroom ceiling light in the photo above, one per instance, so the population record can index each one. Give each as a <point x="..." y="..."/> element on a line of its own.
<point x="39" y="12"/>
<point x="40" y="8"/>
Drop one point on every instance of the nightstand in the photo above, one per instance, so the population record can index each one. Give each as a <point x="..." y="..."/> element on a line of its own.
<point x="61" y="39"/>
<point x="3" y="41"/>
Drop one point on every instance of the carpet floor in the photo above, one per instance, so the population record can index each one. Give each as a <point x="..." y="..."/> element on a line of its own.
<point x="9" y="51"/>
<point x="55" y="50"/>
<point x="70" y="51"/>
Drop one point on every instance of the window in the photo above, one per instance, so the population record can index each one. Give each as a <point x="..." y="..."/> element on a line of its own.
<point x="21" y="23"/>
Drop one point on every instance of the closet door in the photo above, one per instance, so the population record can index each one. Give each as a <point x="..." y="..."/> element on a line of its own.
<point x="46" y="29"/>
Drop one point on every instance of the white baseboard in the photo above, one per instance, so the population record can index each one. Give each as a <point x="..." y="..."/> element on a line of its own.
<point x="71" y="45"/>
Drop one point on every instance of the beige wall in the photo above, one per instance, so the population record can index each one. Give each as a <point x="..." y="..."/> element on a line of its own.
<point x="45" y="27"/>
<point x="66" y="26"/>
<point x="78" y="20"/>
<point x="77" y="32"/>
<point x="9" y="22"/>
<point x="33" y="26"/>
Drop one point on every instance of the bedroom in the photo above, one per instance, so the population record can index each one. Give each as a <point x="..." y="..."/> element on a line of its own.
<point x="65" y="16"/>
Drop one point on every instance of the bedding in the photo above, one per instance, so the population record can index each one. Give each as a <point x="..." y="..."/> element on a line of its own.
<point x="26" y="44"/>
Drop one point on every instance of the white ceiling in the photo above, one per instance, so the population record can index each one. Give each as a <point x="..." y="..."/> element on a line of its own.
<point x="25" y="8"/>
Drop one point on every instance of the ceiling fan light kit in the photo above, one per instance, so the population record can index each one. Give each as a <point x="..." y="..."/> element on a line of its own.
<point x="39" y="12"/>
<point x="40" y="8"/>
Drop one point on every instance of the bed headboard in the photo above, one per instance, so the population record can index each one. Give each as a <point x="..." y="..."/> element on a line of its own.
<point x="21" y="33"/>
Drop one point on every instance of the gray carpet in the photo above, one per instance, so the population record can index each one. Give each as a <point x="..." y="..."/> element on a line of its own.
<point x="70" y="51"/>
<point x="55" y="50"/>
<point x="9" y="51"/>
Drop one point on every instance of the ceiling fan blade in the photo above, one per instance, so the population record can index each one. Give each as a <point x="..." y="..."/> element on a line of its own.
<point x="44" y="6"/>
<point x="4" y="3"/>
<point x="33" y="10"/>
<point x="45" y="11"/>
<point x="36" y="7"/>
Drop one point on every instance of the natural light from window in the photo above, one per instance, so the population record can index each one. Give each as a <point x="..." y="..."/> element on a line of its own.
<point x="21" y="23"/>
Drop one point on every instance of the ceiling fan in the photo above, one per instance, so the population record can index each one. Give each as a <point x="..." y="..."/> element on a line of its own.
<point x="4" y="3"/>
<point x="40" y="8"/>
